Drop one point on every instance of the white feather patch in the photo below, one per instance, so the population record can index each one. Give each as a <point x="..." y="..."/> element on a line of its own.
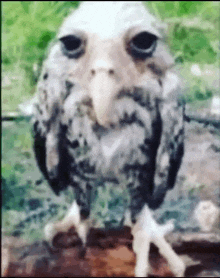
<point x="109" y="148"/>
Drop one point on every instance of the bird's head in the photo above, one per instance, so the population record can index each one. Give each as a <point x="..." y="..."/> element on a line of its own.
<point x="112" y="46"/>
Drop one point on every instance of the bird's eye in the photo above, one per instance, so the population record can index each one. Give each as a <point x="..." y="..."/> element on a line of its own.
<point x="143" y="45"/>
<point x="72" y="46"/>
<point x="71" y="43"/>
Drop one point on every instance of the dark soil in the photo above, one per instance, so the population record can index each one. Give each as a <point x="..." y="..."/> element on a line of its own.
<point x="110" y="254"/>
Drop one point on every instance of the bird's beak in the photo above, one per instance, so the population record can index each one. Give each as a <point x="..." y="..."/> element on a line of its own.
<point x="102" y="90"/>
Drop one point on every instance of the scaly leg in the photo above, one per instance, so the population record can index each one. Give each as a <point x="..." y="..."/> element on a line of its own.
<point x="145" y="231"/>
<point x="141" y="246"/>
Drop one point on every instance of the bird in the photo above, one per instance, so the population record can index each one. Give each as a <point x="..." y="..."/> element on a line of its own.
<point x="109" y="109"/>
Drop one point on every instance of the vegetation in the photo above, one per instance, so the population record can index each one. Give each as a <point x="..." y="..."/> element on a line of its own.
<point x="27" y="29"/>
<point x="29" y="26"/>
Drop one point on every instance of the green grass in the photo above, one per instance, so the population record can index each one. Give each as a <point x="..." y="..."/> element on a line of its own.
<point x="29" y="26"/>
<point x="193" y="28"/>
<point x="16" y="86"/>
<point x="23" y="182"/>
<point x="18" y="164"/>
<point x="27" y="29"/>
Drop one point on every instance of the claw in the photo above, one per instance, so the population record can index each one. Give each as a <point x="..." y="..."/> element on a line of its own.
<point x="50" y="232"/>
<point x="168" y="227"/>
<point x="127" y="218"/>
<point x="82" y="231"/>
<point x="72" y="218"/>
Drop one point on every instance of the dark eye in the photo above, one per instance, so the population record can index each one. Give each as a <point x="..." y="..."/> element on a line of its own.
<point x="72" y="46"/>
<point x="143" y="45"/>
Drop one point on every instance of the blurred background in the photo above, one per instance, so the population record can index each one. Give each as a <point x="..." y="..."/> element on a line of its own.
<point x="28" y="27"/>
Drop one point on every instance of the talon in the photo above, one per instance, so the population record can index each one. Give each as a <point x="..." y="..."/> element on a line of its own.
<point x="50" y="232"/>
<point x="147" y="230"/>
<point x="168" y="227"/>
<point x="71" y="219"/>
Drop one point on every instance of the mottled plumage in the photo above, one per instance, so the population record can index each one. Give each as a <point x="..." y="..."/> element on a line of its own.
<point x="109" y="107"/>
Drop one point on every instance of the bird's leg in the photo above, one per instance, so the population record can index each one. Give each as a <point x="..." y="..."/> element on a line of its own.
<point x="82" y="230"/>
<point x="72" y="218"/>
<point x="141" y="246"/>
<point x="145" y="231"/>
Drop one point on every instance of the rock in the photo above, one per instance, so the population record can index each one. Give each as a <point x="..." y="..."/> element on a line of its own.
<point x="215" y="105"/>
<point x="195" y="70"/>
<point x="207" y="214"/>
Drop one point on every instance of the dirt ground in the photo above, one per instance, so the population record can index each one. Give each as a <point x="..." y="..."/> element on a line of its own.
<point x="109" y="254"/>
<point x="201" y="163"/>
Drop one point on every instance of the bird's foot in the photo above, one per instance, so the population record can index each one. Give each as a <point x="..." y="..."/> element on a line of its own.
<point x="72" y="219"/>
<point x="145" y="231"/>
<point x="175" y="263"/>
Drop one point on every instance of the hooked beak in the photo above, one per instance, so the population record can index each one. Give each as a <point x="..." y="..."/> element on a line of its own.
<point x="102" y="90"/>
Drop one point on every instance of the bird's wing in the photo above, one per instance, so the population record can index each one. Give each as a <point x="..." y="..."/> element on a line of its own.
<point x="171" y="147"/>
<point x="48" y="132"/>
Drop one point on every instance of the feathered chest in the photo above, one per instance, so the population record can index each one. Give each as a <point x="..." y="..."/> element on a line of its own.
<point x="128" y="141"/>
